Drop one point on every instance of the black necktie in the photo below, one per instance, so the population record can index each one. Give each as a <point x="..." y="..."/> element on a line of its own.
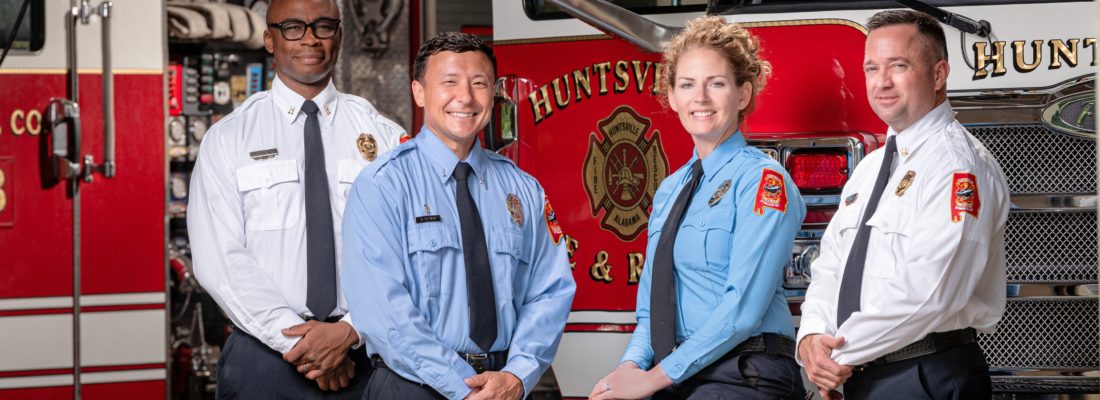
<point x="479" y="278"/>
<point x="852" y="282"/>
<point x="662" y="295"/>
<point x="320" y="244"/>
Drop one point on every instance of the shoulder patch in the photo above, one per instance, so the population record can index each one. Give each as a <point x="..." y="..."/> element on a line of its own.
<point x="551" y="221"/>
<point x="964" y="196"/>
<point x="772" y="192"/>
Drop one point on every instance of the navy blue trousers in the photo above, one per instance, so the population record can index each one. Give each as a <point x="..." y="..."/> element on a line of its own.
<point x="753" y="375"/>
<point x="248" y="369"/>
<point x="956" y="373"/>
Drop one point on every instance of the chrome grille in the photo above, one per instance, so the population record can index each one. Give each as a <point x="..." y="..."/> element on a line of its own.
<point x="1051" y="247"/>
<point x="1039" y="160"/>
<point x="1045" y="332"/>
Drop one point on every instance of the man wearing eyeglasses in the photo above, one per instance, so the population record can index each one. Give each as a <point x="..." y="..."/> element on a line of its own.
<point x="267" y="199"/>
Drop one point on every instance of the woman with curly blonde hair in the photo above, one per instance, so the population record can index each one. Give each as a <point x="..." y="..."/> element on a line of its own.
<point x="713" y="320"/>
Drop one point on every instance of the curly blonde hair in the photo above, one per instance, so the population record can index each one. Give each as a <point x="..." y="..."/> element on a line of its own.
<point x="739" y="47"/>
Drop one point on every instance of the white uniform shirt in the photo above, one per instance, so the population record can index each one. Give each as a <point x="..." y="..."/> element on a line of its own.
<point x="246" y="214"/>
<point x="924" y="272"/>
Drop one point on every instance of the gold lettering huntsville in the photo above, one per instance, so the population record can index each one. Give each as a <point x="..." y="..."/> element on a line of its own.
<point x="1058" y="52"/>
<point x="601" y="270"/>
<point x="577" y="85"/>
<point x="635" y="261"/>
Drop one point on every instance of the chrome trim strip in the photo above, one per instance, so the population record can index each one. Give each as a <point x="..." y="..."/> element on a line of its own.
<point x="1051" y="291"/>
<point x="1054" y="202"/>
<point x="619" y="22"/>
<point x="1016" y="106"/>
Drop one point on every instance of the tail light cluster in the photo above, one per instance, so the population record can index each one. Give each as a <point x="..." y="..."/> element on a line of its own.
<point x="818" y="171"/>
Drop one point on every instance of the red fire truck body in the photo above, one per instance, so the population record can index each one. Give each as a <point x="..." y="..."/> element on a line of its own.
<point x="53" y="228"/>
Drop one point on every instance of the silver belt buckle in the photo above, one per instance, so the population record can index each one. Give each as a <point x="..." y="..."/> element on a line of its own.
<point x="475" y="357"/>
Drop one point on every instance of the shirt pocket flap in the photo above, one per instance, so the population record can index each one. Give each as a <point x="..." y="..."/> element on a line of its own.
<point x="892" y="216"/>
<point x="348" y="170"/>
<point x="432" y="237"/>
<point x="507" y="240"/>
<point x="266" y="174"/>
<point x="848" y="217"/>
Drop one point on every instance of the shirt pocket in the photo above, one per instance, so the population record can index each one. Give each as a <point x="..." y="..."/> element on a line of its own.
<point x="890" y="237"/>
<point x="430" y="244"/>
<point x="713" y="232"/>
<point x="507" y="254"/>
<point x="271" y="195"/>
<point x="346" y="172"/>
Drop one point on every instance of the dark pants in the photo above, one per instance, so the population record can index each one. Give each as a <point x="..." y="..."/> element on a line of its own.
<point x="248" y="369"/>
<point x="752" y="375"/>
<point x="957" y="373"/>
<point x="386" y="384"/>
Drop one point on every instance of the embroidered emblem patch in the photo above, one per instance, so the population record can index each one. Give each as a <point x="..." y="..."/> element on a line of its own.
<point x="368" y="147"/>
<point x="515" y="208"/>
<point x="771" y="194"/>
<point x="721" y="191"/>
<point x="964" y="196"/>
<point x="906" y="181"/>
<point x="851" y="199"/>
<point x="552" y="221"/>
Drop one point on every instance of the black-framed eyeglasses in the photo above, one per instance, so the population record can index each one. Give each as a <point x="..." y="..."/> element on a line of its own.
<point x="323" y="28"/>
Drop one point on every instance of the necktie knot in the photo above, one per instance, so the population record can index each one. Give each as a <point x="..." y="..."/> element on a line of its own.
<point x="696" y="170"/>
<point x="309" y="107"/>
<point x="462" y="170"/>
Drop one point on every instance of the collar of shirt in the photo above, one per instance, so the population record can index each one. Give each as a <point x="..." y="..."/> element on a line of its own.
<point x="912" y="137"/>
<point x="718" y="158"/>
<point x="445" y="160"/>
<point x="290" y="102"/>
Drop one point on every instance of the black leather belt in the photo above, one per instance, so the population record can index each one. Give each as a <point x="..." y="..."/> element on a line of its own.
<point x="480" y="362"/>
<point x="931" y="344"/>
<point x="771" y="343"/>
<point x="331" y="319"/>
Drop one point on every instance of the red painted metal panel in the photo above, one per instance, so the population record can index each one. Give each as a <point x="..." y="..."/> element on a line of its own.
<point x="122" y="219"/>
<point x="817" y="89"/>
<point x="122" y="229"/>
<point x="126" y="390"/>
<point x="37" y="248"/>
<point x="46" y="393"/>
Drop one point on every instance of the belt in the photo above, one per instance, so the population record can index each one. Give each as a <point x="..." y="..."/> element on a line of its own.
<point x="480" y="362"/>
<point x="330" y="319"/>
<point x="931" y="344"/>
<point x="771" y="343"/>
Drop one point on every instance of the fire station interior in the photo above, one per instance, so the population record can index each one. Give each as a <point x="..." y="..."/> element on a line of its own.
<point x="215" y="60"/>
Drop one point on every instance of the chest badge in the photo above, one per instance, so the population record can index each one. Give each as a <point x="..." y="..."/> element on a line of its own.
<point x="719" y="193"/>
<point x="515" y="208"/>
<point x="851" y="199"/>
<point x="906" y="181"/>
<point x="368" y="147"/>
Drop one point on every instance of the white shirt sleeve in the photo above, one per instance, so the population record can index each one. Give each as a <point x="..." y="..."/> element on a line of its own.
<point x="224" y="264"/>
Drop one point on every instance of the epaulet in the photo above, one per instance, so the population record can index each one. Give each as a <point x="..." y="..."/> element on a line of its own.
<point x="358" y="101"/>
<point x="391" y="155"/>
<point x="497" y="157"/>
<point x="245" y="106"/>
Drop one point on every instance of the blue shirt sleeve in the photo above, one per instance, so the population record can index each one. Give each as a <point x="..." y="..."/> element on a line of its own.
<point x="543" y="307"/>
<point x="761" y="247"/>
<point x="375" y="260"/>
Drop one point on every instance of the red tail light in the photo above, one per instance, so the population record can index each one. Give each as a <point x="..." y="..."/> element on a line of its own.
<point x="818" y="171"/>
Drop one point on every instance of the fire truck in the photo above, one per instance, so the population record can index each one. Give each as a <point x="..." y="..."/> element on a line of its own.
<point x="577" y="108"/>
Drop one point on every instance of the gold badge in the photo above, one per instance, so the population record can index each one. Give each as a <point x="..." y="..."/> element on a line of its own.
<point x="368" y="148"/>
<point x="622" y="171"/>
<point x="515" y="208"/>
<point x="906" y="181"/>
<point x="717" y="196"/>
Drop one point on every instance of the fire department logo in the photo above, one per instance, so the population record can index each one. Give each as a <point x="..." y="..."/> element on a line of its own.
<point x="622" y="171"/>
<point x="964" y="199"/>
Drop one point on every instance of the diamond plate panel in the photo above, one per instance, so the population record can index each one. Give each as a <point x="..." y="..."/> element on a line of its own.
<point x="1045" y="333"/>
<point x="1038" y="160"/>
<point x="1051" y="247"/>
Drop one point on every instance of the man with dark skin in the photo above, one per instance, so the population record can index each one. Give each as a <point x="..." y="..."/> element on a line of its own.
<point x="268" y="177"/>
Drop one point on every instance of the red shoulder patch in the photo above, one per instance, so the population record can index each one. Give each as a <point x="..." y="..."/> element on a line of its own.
<point x="772" y="193"/>
<point x="964" y="196"/>
<point x="404" y="138"/>
<point x="552" y="221"/>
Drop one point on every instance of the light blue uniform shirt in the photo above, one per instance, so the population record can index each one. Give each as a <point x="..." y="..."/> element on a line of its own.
<point x="729" y="260"/>
<point x="405" y="278"/>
